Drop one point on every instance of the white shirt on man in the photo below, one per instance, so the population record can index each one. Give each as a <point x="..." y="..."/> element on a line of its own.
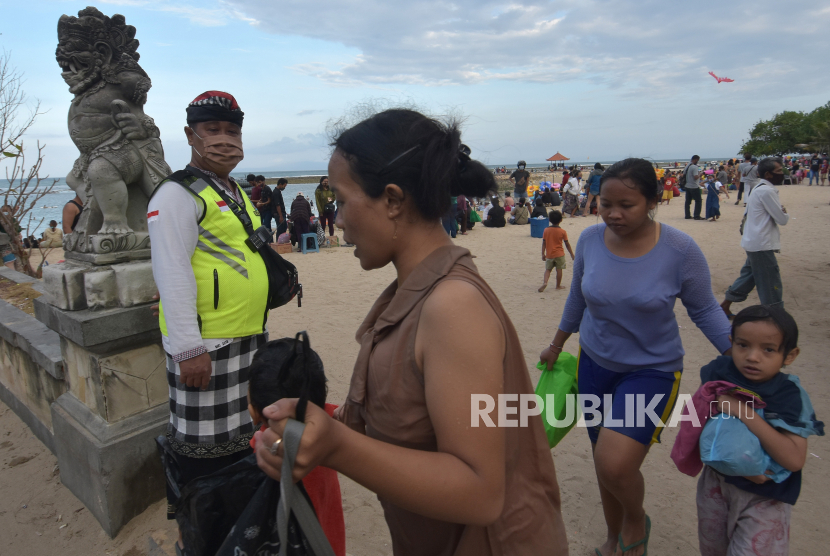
<point x="763" y="216"/>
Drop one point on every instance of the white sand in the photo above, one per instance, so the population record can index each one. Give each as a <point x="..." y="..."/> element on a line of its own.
<point x="338" y="295"/>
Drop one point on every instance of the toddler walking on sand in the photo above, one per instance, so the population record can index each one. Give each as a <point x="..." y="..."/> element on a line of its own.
<point x="552" y="252"/>
<point x="751" y="515"/>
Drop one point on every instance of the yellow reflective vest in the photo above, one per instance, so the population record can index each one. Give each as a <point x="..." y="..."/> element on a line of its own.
<point x="231" y="278"/>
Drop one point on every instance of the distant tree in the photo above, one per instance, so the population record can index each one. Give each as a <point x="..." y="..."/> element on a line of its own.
<point x="791" y="132"/>
<point x="23" y="187"/>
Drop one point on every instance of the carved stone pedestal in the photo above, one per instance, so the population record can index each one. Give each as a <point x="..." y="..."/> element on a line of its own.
<point x="115" y="405"/>
<point x="75" y="284"/>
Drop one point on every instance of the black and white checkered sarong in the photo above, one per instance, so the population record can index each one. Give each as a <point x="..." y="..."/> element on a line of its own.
<point x="214" y="422"/>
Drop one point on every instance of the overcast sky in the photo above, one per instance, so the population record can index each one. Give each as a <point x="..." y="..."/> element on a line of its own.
<point x="596" y="80"/>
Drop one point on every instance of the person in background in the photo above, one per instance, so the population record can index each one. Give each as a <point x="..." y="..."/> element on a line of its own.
<point x="520" y="214"/>
<point x="713" y="190"/>
<point x="722" y="176"/>
<point x="265" y="203"/>
<point x="594" y="179"/>
<point x="521" y="179"/>
<point x="488" y="204"/>
<point x="213" y="310"/>
<point x="629" y="271"/>
<point x="539" y="209"/>
<point x="553" y="254"/>
<point x="815" y="166"/>
<point x="71" y="213"/>
<point x="823" y="171"/>
<point x="693" y="175"/>
<point x="570" y="193"/>
<point x="495" y="216"/>
<point x="509" y="202"/>
<point x="256" y="188"/>
<point x="300" y="217"/>
<point x="547" y="199"/>
<point x="752" y="177"/>
<point x="326" y="206"/>
<point x="462" y="214"/>
<point x="761" y="239"/>
<point x="52" y="236"/>
<point x="278" y="206"/>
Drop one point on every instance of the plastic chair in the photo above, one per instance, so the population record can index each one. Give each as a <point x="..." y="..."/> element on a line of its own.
<point x="306" y="248"/>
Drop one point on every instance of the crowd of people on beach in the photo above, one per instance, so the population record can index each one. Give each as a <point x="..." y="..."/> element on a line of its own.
<point x="400" y="186"/>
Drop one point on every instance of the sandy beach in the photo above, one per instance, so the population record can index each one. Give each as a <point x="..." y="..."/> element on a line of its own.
<point x="39" y="517"/>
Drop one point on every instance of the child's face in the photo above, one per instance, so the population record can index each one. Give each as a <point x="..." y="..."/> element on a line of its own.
<point x="757" y="351"/>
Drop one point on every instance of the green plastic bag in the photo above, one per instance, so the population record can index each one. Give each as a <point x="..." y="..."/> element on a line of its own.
<point x="474" y="216"/>
<point x="559" y="382"/>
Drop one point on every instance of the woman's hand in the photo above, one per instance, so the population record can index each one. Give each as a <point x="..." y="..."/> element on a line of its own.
<point x="319" y="439"/>
<point x="549" y="356"/>
<point x="758" y="479"/>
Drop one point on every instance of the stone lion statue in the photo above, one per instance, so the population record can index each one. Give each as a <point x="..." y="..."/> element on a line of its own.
<point x="121" y="157"/>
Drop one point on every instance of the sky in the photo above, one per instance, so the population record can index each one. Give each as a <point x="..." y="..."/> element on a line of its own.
<point x="592" y="79"/>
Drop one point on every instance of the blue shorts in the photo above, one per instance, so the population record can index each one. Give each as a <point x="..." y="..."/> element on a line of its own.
<point x="624" y="388"/>
<point x="9" y="258"/>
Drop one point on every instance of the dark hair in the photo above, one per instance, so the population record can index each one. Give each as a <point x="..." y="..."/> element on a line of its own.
<point x="768" y="165"/>
<point x="782" y="320"/>
<point x="555" y="217"/>
<point x="522" y="200"/>
<point x="250" y="178"/>
<point x="597" y="166"/>
<point x="496" y="202"/>
<point x="507" y="194"/>
<point x="721" y="167"/>
<point x="321" y="180"/>
<point x="269" y="379"/>
<point x="260" y="178"/>
<point x="696" y="157"/>
<point x="747" y="156"/>
<point x="53" y="223"/>
<point x="282" y="181"/>
<point x="539" y="203"/>
<point x="638" y="171"/>
<point x="422" y="155"/>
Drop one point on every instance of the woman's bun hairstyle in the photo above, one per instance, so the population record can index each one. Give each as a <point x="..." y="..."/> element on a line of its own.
<point x="423" y="156"/>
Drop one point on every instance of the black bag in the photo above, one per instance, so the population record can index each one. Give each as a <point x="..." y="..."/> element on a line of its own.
<point x="681" y="181"/>
<point x="330" y="207"/>
<point x="283" y="278"/>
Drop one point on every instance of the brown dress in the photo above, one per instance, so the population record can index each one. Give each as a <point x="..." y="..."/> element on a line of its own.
<point x="387" y="401"/>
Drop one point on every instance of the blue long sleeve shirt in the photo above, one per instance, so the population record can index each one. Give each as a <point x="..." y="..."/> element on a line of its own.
<point x="623" y="308"/>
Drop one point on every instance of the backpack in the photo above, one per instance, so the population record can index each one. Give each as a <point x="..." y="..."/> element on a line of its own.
<point x="681" y="181"/>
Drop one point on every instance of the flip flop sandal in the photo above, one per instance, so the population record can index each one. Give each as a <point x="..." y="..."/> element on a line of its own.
<point x="643" y="541"/>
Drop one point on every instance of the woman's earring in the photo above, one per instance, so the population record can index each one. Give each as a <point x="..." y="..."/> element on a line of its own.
<point x="396" y="230"/>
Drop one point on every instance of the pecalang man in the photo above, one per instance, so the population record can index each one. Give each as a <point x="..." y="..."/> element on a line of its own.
<point x="213" y="289"/>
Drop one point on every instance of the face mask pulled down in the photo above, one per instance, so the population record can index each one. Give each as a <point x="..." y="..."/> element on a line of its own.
<point x="221" y="152"/>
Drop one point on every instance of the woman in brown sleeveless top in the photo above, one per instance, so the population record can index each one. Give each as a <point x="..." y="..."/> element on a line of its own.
<point x="449" y="485"/>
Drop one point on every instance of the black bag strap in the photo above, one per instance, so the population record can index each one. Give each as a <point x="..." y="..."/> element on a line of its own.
<point x="238" y="211"/>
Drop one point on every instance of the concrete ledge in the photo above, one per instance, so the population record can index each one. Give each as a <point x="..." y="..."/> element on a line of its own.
<point x="114" y="469"/>
<point x="25" y="332"/>
<point x="26" y="415"/>
<point x="104" y="329"/>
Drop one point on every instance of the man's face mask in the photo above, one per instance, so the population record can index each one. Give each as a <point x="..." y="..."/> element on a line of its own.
<point x="221" y="152"/>
<point x="776" y="178"/>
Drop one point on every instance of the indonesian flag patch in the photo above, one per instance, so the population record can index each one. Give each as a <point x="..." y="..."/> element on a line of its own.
<point x="152" y="216"/>
<point x="223" y="206"/>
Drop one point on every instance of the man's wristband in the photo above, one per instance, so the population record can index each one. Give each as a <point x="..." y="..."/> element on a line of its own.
<point x="554" y="346"/>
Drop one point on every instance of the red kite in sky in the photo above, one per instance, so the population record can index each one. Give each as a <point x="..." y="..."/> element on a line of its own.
<point x="721" y="79"/>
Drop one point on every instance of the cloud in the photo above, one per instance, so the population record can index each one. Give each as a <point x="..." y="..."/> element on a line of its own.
<point x="198" y="14"/>
<point x="308" y="112"/>
<point x="649" y="47"/>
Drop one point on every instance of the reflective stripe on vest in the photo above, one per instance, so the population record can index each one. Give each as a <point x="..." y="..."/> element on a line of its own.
<point x="231" y="279"/>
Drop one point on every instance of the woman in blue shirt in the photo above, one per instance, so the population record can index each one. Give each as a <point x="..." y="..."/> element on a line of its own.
<point x="628" y="273"/>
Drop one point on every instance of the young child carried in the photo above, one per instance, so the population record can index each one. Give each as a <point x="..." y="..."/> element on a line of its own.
<point x="737" y="514"/>
<point x="273" y="376"/>
<point x="552" y="251"/>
